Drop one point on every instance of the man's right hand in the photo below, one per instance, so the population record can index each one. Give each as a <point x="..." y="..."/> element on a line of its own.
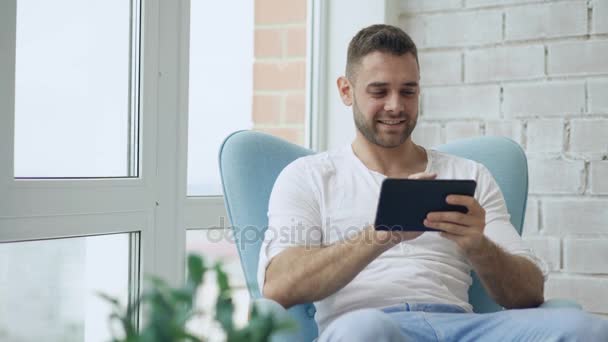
<point x="399" y="236"/>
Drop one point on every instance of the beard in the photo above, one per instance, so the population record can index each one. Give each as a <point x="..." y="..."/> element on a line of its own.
<point x="369" y="131"/>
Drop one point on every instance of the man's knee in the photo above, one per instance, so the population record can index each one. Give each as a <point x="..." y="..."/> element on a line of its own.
<point x="362" y="325"/>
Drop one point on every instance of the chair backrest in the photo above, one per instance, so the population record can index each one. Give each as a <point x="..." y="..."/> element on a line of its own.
<point x="251" y="161"/>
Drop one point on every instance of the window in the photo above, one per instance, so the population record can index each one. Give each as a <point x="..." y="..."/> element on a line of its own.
<point x="48" y="288"/>
<point x="75" y="77"/>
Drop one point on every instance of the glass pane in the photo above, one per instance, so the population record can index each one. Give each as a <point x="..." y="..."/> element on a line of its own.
<point x="72" y="108"/>
<point x="48" y="288"/>
<point x="218" y="245"/>
<point x="221" y="86"/>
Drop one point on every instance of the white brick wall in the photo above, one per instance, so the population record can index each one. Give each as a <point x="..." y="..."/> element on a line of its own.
<point x="506" y="128"/>
<point x="413" y="6"/>
<point x="440" y="68"/>
<point x="546" y="179"/>
<point x="461" y="130"/>
<point x="600" y="13"/>
<point x="598" y="95"/>
<point x="545" y="135"/>
<point x="546" y="20"/>
<point x="504" y="63"/>
<point x="589" y="136"/>
<point x="598" y="182"/>
<point x="535" y="71"/>
<point x="561" y="216"/>
<point x="461" y="102"/>
<point x="544" y="99"/>
<point x="580" y="57"/>
<point x="577" y="251"/>
<point x="459" y="29"/>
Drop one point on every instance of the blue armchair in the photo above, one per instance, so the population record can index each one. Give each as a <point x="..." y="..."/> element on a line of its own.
<point x="251" y="161"/>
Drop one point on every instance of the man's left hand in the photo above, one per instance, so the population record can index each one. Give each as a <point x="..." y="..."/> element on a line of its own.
<point x="466" y="230"/>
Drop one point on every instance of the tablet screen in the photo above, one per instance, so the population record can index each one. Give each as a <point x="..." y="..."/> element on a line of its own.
<point x="405" y="203"/>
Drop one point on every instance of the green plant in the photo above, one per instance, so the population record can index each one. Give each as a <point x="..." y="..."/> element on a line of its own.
<point x="167" y="311"/>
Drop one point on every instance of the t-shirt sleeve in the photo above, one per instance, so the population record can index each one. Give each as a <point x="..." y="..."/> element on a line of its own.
<point x="294" y="217"/>
<point x="498" y="225"/>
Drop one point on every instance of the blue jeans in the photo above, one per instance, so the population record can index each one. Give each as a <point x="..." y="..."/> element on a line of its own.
<point x="439" y="322"/>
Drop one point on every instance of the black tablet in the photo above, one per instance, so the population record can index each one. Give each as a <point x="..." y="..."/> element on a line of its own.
<point x="405" y="203"/>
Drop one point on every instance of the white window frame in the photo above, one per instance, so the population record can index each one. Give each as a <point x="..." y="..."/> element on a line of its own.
<point x="154" y="204"/>
<point x="35" y="209"/>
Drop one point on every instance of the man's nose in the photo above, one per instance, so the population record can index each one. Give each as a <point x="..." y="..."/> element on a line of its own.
<point x="394" y="103"/>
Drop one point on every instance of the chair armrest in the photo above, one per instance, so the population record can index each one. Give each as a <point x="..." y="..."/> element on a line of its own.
<point x="560" y="303"/>
<point x="265" y="305"/>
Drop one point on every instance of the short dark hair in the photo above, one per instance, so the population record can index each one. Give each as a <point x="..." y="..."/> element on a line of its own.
<point x="380" y="37"/>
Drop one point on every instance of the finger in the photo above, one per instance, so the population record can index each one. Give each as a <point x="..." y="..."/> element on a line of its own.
<point x="452" y="217"/>
<point x="422" y="175"/>
<point x="467" y="201"/>
<point x="451" y="228"/>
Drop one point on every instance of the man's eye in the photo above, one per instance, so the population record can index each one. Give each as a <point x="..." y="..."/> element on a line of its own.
<point x="378" y="93"/>
<point x="408" y="92"/>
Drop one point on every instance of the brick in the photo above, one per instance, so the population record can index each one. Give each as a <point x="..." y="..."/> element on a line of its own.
<point x="511" y="129"/>
<point x="546" y="20"/>
<point x="295" y="108"/>
<point x="268" y="43"/>
<point x="279" y="76"/>
<point x="440" y="68"/>
<point x="531" y="219"/>
<point x="545" y="180"/>
<point x="280" y="11"/>
<point x="589" y="136"/>
<point x="546" y="248"/>
<point x="412" y="6"/>
<point x="266" y="109"/>
<point x="296" y="42"/>
<point x="598" y="177"/>
<point x="545" y="135"/>
<point x="598" y="95"/>
<point x="574" y="216"/>
<point x="571" y="58"/>
<point x="544" y="99"/>
<point x="462" y="102"/>
<point x="427" y="135"/>
<point x="504" y="63"/>
<point x="600" y="13"/>
<point x="291" y="134"/>
<point x="588" y="291"/>
<point x="461" y="130"/>
<point x="487" y="3"/>
<point x="586" y="255"/>
<point x="454" y="29"/>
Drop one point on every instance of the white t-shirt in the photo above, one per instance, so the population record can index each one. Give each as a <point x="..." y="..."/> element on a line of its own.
<point x="318" y="200"/>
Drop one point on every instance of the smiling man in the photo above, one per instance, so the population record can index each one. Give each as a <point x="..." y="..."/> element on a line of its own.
<point x="398" y="286"/>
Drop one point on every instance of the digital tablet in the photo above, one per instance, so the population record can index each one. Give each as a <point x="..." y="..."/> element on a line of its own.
<point x="405" y="203"/>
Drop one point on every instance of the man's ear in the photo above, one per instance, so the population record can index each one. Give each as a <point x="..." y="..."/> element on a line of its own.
<point x="346" y="90"/>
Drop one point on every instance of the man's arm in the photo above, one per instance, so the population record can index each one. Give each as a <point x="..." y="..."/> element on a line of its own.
<point x="299" y="274"/>
<point x="512" y="281"/>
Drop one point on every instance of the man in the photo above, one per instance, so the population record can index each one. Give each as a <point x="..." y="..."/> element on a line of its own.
<point x="397" y="286"/>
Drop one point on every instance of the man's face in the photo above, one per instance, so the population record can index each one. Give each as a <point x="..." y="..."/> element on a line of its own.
<point x="384" y="95"/>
